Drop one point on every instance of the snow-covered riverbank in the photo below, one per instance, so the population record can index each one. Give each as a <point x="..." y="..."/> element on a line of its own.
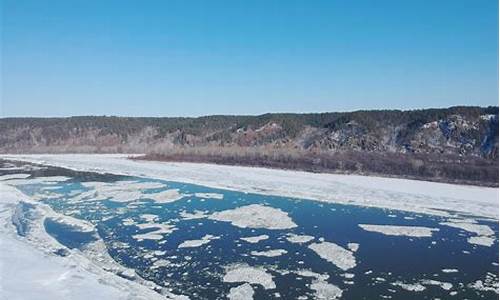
<point x="28" y="272"/>
<point x="390" y="193"/>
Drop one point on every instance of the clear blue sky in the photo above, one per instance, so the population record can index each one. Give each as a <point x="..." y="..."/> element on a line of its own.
<point x="191" y="58"/>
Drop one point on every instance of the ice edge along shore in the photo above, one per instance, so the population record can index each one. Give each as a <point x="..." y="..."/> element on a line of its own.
<point x="387" y="193"/>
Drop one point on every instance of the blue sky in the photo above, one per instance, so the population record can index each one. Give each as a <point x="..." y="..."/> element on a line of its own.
<point x="191" y="58"/>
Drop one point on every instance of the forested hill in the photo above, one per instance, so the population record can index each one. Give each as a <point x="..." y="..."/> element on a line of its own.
<point x="456" y="133"/>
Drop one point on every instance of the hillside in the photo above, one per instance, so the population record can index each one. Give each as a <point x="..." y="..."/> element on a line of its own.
<point x="458" y="144"/>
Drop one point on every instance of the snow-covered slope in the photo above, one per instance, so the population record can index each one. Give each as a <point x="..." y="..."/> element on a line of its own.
<point x="27" y="272"/>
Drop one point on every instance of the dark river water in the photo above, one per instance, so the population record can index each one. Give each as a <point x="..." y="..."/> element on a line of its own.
<point x="197" y="272"/>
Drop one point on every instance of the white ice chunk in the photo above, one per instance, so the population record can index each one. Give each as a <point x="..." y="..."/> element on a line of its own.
<point x="255" y="216"/>
<point x="252" y="275"/>
<point x="269" y="253"/>
<point x="299" y="239"/>
<point x="255" y="239"/>
<point x="413" y="231"/>
<point x="210" y="196"/>
<point x="342" y="258"/>
<point x="241" y="292"/>
<point x="197" y="243"/>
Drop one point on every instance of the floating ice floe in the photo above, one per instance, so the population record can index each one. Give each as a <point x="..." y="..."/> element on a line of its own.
<point x="481" y="240"/>
<point x="461" y="220"/>
<point x="192" y="216"/>
<point x="449" y="270"/>
<point x="348" y="275"/>
<point x="253" y="275"/>
<point x="158" y="234"/>
<point x="489" y="284"/>
<point x="255" y="239"/>
<point x="420" y="286"/>
<point x="149" y="217"/>
<point x="127" y="191"/>
<point x="45" y="195"/>
<point x="482" y="286"/>
<point x="269" y="253"/>
<point x="124" y="184"/>
<point x="197" y="243"/>
<point x="167" y="196"/>
<point x="325" y="290"/>
<point x="478" y="229"/>
<point x="255" y="216"/>
<point x="210" y="196"/>
<point x="309" y="273"/>
<point x="160" y="263"/>
<point x="485" y="236"/>
<point x="337" y="255"/>
<point x="353" y="246"/>
<point x="413" y="231"/>
<point x="444" y="285"/>
<point x="299" y="239"/>
<point x="115" y="192"/>
<point x="241" y="292"/>
<point x="128" y="222"/>
<point x="412" y="287"/>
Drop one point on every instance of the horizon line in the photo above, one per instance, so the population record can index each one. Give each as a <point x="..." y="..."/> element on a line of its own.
<point x="252" y="115"/>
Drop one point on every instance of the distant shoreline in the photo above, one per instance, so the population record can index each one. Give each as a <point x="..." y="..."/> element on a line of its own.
<point x="368" y="191"/>
<point x="301" y="165"/>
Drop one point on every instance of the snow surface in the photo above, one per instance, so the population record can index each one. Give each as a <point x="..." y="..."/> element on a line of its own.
<point x="392" y="193"/>
<point x="27" y="272"/>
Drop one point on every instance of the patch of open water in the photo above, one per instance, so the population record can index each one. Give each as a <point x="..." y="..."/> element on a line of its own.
<point x="380" y="262"/>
